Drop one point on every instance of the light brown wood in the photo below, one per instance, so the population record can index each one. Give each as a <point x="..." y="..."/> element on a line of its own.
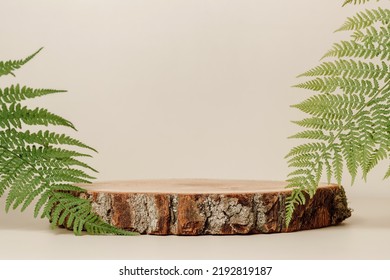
<point x="185" y="186"/>
<point x="204" y="206"/>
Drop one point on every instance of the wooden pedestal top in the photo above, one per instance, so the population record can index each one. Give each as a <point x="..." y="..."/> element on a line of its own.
<point x="190" y="186"/>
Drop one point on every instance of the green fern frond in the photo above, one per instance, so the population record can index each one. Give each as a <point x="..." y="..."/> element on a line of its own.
<point x="354" y="49"/>
<point x="6" y="67"/>
<point x="348" y="85"/>
<point x="23" y="185"/>
<point x="332" y="106"/>
<point x="35" y="166"/>
<point x="15" y="115"/>
<point x="354" y="2"/>
<point x="297" y="197"/>
<point x="337" y="162"/>
<point x="71" y="162"/>
<point x="350" y="69"/>
<point x="16" y="93"/>
<point x="45" y="138"/>
<point x="377" y="155"/>
<point x="358" y="139"/>
<point x="71" y="211"/>
<point x="49" y="152"/>
<point x="371" y="35"/>
<point x="349" y="114"/>
<point x="351" y="149"/>
<point x="28" y="199"/>
<point x="320" y="123"/>
<point x="366" y="19"/>
<point x="311" y="134"/>
<point x="60" y="175"/>
<point x="306" y="148"/>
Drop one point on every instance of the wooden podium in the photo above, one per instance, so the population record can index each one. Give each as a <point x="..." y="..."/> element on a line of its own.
<point x="204" y="206"/>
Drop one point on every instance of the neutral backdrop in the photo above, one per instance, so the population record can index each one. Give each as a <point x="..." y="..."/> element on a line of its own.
<point x="178" y="89"/>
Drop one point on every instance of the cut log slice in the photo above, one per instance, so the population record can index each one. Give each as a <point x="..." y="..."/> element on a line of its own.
<point x="201" y="206"/>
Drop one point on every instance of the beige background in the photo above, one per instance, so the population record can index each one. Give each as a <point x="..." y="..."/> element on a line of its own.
<point x="175" y="88"/>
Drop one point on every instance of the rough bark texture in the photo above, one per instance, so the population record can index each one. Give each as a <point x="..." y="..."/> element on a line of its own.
<point x="217" y="213"/>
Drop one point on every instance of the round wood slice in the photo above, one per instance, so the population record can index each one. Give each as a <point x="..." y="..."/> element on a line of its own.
<point x="201" y="206"/>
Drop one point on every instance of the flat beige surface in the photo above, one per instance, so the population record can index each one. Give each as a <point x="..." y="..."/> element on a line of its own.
<point x="198" y="186"/>
<point x="363" y="236"/>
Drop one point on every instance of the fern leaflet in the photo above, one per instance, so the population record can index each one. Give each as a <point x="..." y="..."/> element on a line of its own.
<point x="6" y="67"/>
